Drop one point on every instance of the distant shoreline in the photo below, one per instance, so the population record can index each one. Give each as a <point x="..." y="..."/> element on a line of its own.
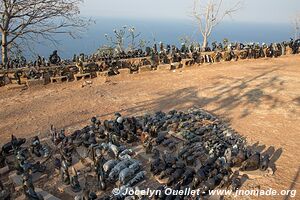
<point x="168" y="32"/>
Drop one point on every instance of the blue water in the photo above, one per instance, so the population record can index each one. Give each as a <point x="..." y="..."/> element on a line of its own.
<point x="167" y="32"/>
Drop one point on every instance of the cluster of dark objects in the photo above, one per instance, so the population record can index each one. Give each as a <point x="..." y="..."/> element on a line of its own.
<point x="23" y="164"/>
<point x="106" y="146"/>
<point x="208" y="156"/>
<point x="163" y="53"/>
<point x="192" y="149"/>
<point x="155" y="56"/>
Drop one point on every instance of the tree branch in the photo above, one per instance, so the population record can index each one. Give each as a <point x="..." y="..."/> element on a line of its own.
<point x="34" y="19"/>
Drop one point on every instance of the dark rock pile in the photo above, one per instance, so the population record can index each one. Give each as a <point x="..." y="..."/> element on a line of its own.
<point x="178" y="150"/>
<point x="208" y="156"/>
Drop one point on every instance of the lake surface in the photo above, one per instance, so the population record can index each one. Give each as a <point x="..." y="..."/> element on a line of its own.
<point x="167" y="32"/>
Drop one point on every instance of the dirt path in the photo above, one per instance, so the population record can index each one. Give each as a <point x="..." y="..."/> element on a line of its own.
<point x="260" y="98"/>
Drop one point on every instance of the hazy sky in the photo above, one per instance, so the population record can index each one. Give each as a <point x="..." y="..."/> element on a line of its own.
<point x="270" y="11"/>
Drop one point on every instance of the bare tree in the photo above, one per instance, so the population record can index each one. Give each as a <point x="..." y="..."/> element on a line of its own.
<point x="143" y="43"/>
<point x="118" y="40"/>
<point x="133" y="37"/>
<point x="123" y="38"/>
<point x="296" y="24"/>
<point x="32" y="20"/>
<point x="209" y="14"/>
<point x="187" y="40"/>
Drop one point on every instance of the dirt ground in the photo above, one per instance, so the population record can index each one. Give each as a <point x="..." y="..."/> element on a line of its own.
<point x="260" y="98"/>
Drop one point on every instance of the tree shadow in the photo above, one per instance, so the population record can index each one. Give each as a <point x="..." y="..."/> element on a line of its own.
<point x="225" y="94"/>
<point x="180" y="99"/>
<point x="249" y="92"/>
<point x="293" y="184"/>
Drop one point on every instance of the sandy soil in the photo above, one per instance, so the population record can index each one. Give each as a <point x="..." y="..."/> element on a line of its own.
<point x="260" y="98"/>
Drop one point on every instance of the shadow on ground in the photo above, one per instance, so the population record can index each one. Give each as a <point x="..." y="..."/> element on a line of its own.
<point x="248" y="92"/>
<point x="293" y="185"/>
<point x="273" y="154"/>
<point x="224" y="94"/>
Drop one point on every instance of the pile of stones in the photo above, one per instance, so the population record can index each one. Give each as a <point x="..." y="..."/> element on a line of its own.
<point x="178" y="150"/>
<point x="211" y="156"/>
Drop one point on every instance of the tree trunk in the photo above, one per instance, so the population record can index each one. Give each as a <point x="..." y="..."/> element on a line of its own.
<point x="204" y="45"/>
<point x="4" y="49"/>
